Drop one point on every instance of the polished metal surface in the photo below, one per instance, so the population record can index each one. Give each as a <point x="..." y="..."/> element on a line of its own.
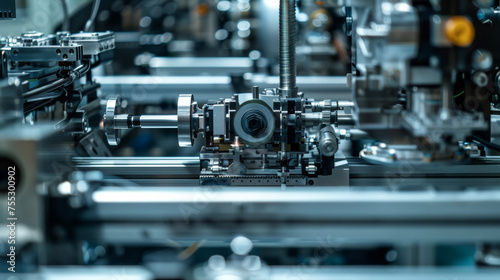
<point x="326" y="273"/>
<point x="407" y="176"/>
<point x="311" y="272"/>
<point x="338" y="214"/>
<point x="207" y="66"/>
<point x="101" y="272"/>
<point x="328" y="142"/>
<point x="155" y="89"/>
<point x="93" y="43"/>
<point x="47" y="53"/>
<point x="121" y="121"/>
<point x="158" y="121"/>
<point x="219" y="119"/>
<point x="179" y="167"/>
<point x="109" y="122"/>
<point x="184" y="120"/>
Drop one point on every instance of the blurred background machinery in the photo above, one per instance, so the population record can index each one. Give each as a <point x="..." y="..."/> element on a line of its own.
<point x="249" y="139"/>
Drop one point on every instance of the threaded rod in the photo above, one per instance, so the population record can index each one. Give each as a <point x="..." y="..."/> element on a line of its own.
<point x="288" y="34"/>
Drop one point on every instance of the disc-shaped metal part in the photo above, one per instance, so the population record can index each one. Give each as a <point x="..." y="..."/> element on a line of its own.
<point x="112" y="134"/>
<point x="254" y="123"/>
<point x="185" y="111"/>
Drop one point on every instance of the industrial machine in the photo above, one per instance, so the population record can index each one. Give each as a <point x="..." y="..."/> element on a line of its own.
<point x="387" y="172"/>
<point x="250" y="139"/>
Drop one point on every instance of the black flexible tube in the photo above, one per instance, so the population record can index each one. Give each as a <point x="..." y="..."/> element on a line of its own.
<point x="487" y="144"/>
<point x="77" y="73"/>
<point x="90" y="23"/>
<point x="48" y="87"/>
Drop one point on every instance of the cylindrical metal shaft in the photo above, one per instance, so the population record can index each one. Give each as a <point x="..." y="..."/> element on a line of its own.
<point x="346" y="120"/>
<point x="328" y="143"/>
<point x="288" y="34"/>
<point x="317" y="118"/>
<point x="163" y="121"/>
<point x="255" y="92"/>
<point x="447" y="98"/>
<point x="318" y="106"/>
<point x="153" y="121"/>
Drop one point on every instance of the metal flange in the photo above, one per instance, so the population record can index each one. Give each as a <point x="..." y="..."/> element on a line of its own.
<point x="185" y="110"/>
<point x="112" y="134"/>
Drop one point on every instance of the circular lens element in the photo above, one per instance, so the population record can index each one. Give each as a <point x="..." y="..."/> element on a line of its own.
<point x="254" y="123"/>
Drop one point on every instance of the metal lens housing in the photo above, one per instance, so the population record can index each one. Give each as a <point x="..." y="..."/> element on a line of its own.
<point x="254" y="123"/>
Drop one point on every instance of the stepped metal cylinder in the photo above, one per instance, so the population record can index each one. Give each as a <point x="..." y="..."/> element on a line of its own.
<point x="125" y="121"/>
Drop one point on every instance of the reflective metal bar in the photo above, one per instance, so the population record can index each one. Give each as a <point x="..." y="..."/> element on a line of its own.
<point x="288" y="217"/>
<point x="141" y="167"/>
<point x="125" y="121"/>
<point x="162" y="121"/>
<point x="161" y="88"/>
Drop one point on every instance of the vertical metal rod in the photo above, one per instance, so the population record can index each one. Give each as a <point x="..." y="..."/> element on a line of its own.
<point x="288" y="34"/>
<point x="255" y="92"/>
<point x="447" y="97"/>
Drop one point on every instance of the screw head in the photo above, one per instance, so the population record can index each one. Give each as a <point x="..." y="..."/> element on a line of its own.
<point x="482" y="60"/>
<point x="241" y="245"/>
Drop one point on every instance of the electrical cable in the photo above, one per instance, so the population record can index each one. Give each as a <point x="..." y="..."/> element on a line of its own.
<point x="38" y="104"/>
<point x="458" y="95"/>
<point x="77" y="73"/>
<point x="48" y="87"/>
<point x="90" y="23"/>
<point x="487" y="144"/>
